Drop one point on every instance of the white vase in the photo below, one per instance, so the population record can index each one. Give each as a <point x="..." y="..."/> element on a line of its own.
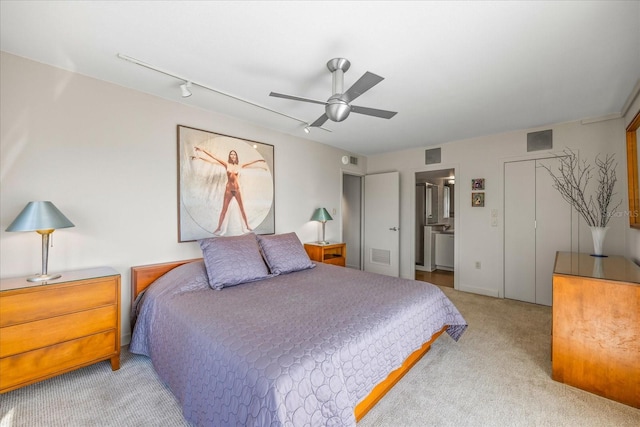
<point x="598" y="234"/>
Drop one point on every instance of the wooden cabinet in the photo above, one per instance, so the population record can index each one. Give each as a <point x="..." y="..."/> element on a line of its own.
<point x="47" y="329"/>
<point x="332" y="253"/>
<point x="596" y="325"/>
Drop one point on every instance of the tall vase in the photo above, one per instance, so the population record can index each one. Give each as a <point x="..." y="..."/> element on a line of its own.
<point x="598" y="234"/>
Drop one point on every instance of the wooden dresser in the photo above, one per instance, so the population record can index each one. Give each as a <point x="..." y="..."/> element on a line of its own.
<point x="330" y="253"/>
<point x="47" y="329"/>
<point x="596" y="325"/>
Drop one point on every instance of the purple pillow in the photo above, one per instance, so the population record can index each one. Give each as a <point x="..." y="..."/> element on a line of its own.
<point x="284" y="253"/>
<point x="233" y="260"/>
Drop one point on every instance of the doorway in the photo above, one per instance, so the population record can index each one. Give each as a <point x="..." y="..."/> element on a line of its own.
<point x="434" y="226"/>
<point x="352" y="218"/>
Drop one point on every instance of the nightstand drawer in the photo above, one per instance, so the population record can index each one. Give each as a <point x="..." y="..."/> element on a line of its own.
<point x="33" y="335"/>
<point x="38" y="303"/>
<point x="56" y="359"/>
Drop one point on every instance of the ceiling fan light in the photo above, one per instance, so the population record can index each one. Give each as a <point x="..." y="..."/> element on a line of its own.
<point x="337" y="110"/>
<point x="184" y="89"/>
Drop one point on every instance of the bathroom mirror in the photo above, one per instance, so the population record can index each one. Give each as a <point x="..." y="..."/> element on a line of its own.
<point x="633" y="172"/>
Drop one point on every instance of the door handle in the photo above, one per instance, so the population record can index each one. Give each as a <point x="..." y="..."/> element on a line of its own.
<point x="393" y="228"/>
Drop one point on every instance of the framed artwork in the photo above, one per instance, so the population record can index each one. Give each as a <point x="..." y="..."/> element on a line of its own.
<point x="477" y="184"/>
<point x="477" y="200"/>
<point x="225" y="185"/>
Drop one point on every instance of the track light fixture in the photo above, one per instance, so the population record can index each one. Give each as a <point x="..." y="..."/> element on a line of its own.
<point x="184" y="88"/>
<point x="307" y="129"/>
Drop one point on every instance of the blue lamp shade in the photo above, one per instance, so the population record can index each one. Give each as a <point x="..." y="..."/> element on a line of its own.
<point x="321" y="215"/>
<point x="39" y="216"/>
<point x="42" y="217"/>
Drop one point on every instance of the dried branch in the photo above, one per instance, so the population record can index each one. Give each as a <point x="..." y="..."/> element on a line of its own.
<point x="572" y="181"/>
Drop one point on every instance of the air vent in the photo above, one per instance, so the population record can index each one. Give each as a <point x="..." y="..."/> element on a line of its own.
<point x="432" y="156"/>
<point x="542" y="140"/>
<point x="353" y="160"/>
<point x="380" y="256"/>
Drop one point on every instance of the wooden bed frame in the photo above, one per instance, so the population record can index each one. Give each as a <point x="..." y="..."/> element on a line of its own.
<point x="142" y="276"/>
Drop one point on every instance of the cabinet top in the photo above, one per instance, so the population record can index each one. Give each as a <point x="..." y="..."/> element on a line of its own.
<point x="615" y="268"/>
<point x="67" y="276"/>
<point x="325" y="245"/>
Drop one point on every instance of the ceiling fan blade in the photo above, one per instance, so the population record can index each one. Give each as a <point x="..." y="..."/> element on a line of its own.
<point x="364" y="83"/>
<point x="297" y="98"/>
<point x="319" y="121"/>
<point x="384" y="114"/>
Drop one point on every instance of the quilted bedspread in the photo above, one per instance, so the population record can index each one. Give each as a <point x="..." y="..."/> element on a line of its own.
<point x="299" y="349"/>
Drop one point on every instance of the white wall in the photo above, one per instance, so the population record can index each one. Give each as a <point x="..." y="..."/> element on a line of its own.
<point x="484" y="157"/>
<point x="105" y="155"/>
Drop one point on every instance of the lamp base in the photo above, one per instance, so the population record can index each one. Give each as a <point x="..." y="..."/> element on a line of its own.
<point x="43" y="277"/>
<point x="323" y="242"/>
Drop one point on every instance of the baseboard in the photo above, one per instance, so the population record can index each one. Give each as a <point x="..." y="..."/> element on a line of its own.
<point x="482" y="291"/>
<point x="125" y="339"/>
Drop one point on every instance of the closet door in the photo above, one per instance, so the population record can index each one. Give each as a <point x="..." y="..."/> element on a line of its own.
<point x="519" y="231"/>
<point x="537" y="224"/>
<point x="553" y="231"/>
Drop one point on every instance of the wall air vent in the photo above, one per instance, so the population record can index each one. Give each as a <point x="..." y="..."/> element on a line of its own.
<point x="432" y="156"/>
<point x="353" y="160"/>
<point x="380" y="256"/>
<point x="542" y="140"/>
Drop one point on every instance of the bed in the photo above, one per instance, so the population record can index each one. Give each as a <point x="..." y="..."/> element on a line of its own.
<point x="299" y="344"/>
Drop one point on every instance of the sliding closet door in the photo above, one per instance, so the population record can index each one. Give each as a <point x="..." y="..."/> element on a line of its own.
<point x="519" y="231"/>
<point x="537" y="224"/>
<point x="553" y="231"/>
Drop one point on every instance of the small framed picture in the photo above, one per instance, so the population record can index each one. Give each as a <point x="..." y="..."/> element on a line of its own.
<point x="477" y="200"/>
<point x="477" y="184"/>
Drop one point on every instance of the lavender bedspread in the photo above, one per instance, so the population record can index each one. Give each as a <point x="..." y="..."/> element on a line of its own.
<point x="298" y="349"/>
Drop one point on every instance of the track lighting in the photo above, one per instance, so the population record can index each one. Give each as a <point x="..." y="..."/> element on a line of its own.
<point x="184" y="88"/>
<point x="307" y="129"/>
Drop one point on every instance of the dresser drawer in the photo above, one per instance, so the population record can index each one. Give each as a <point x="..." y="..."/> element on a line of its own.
<point x="41" y="303"/>
<point x="33" y="335"/>
<point x="45" y="362"/>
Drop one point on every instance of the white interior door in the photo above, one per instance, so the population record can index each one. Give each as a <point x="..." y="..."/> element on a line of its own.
<point x="519" y="231"/>
<point x="382" y="223"/>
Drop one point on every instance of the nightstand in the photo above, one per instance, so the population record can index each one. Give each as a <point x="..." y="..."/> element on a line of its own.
<point x="331" y="253"/>
<point x="47" y="329"/>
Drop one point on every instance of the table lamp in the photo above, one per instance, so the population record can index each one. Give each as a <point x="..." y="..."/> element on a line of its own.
<point x="322" y="216"/>
<point x="43" y="218"/>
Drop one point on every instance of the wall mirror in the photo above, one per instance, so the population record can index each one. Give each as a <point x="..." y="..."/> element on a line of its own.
<point x="633" y="171"/>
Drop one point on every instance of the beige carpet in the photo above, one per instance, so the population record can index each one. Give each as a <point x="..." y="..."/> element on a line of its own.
<point x="498" y="374"/>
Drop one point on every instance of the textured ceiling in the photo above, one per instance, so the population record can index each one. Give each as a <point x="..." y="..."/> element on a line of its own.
<point x="453" y="70"/>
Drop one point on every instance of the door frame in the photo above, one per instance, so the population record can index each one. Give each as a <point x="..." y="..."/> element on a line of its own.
<point x="456" y="219"/>
<point x="360" y="175"/>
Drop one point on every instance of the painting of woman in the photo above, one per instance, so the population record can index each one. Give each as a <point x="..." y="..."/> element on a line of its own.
<point x="225" y="186"/>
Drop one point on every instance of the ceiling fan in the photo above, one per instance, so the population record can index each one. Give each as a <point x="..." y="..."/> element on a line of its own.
<point x="338" y="106"/>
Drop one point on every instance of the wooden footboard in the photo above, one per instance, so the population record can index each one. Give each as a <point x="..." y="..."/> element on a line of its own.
<point x="143" y="276"/>
<point x="383" y="387"/>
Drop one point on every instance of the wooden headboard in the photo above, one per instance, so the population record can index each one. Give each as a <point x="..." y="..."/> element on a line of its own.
<point x="144" y="275"/>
